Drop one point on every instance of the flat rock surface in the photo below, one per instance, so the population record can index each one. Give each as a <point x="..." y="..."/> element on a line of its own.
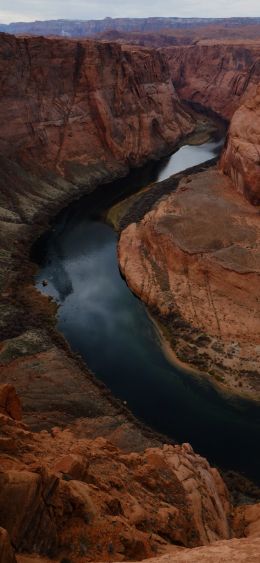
<point x="244" y="550"/>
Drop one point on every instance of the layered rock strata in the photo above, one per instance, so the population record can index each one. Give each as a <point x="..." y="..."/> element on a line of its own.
<point x="216" y="75"/>
<point x="60" y="488"/>
<point x="241" y="157"/>
<point x="85" y="103"/>
<point x="74" y="126"/>
<point x="86" y="112"/>
<point x="192" y="259"/>
<point x="193" y="256"/>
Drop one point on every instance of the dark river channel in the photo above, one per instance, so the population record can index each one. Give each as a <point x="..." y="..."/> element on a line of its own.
<point x="109" y="327"/>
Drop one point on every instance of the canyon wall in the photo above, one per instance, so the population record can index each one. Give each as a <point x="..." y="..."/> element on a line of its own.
<point x="222" y="77"/>
<point x="241" y="157"/>
<point x="215" y="74"/>
<point x="192" y="257"/>
<point x="85" y="103"/>
<point x="85" y="112"/>
<point x="174" y="255"/>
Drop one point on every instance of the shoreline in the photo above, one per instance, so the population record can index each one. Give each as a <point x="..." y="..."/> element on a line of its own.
<point x="141" y="435"/>
<point x="56" y="337"/>
<point x="175" y="361"/>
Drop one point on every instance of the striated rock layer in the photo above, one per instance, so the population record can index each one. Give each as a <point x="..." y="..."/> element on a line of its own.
<point x="215" y="74"/>
<point x="85" y="103"/>
<point x="192" y="258"/>
<point x="86" y="112"/>
<point x="241" y="157"/>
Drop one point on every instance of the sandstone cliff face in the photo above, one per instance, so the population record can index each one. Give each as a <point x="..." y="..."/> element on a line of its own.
<point x="215" y="74"/>
<point x="6" y="550"/>
<point x="241" y="157"/>
<point x="85" y="113"/>
<point x="85" y="103"/>
<point x="192" y="259"/>
<point x="60" y="488"/>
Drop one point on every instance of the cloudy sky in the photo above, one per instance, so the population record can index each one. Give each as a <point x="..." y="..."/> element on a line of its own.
<point x="27" y="10"/>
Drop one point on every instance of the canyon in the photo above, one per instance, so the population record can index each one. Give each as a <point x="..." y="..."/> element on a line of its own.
<point x="216" y="74"/>
<point x="193" y="254"/>
<point x="90" y="28"/>
<point x="78" y="461"/>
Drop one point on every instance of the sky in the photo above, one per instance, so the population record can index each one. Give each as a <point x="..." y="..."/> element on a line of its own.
<point x="30" y="10"/>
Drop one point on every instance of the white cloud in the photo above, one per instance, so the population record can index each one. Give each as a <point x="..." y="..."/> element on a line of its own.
<point x="26" y="10"/>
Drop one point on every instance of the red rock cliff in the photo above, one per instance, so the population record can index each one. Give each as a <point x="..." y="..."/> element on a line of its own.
<point x="215" y="74"/>
<point x="224" y="78"/>
<point x="241" y="158"/>
<point x="83" y="103"/>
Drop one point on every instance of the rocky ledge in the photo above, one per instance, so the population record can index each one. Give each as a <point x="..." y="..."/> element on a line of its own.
<point x="59" y="489"/>
<point x="77" y="486"/>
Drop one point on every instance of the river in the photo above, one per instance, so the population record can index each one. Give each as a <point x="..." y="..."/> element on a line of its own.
<point x="109" y="327"/>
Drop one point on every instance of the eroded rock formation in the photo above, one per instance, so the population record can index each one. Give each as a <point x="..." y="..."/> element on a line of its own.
<point x="215" y="74"/>
<point x="59" y="489"/>
<point x="241" y="158"/>
<point x="85" y="113"/>
<point x="83" y="104"/>
<point x="192" y="258"/>
<point x="6" y="550"/>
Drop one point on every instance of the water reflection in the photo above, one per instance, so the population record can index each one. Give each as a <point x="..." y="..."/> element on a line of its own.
<point x="193" y="155"/>
<point x="109" y="327"/>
